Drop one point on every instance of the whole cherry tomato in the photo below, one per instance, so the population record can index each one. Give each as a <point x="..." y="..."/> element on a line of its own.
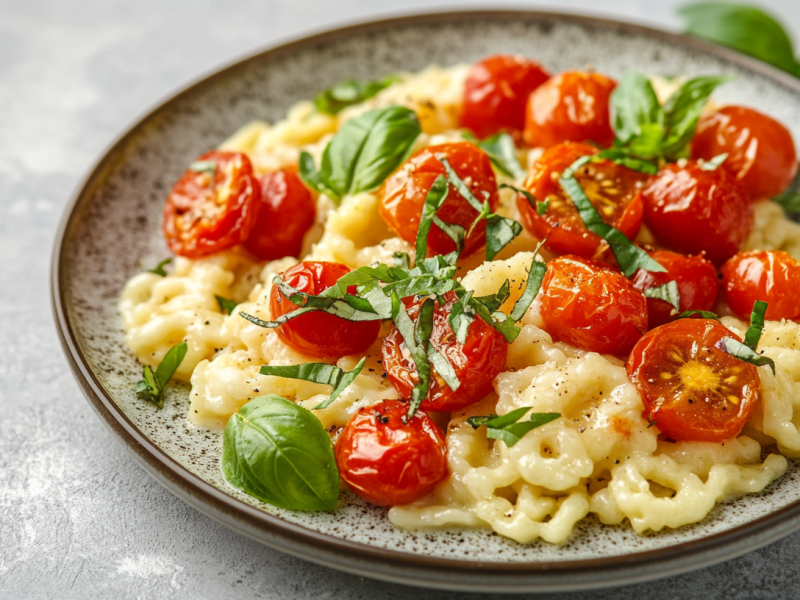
<point x="389" y="461"/>
<point x="760" y="150"/>
<point x="769" y="275"/>
<point x="403" y="195"/>
<point x="570" y="107"/>
<point x="212" y="209"/>
<point x="496" y="92"/>
<point x="318" y="333"/>
<point x="476" y="362"/>
<point x="612" y="189"/>
<point x="591" y="305"/>
<point x="692" y="389"/>
<point x="696" y="279"/>
<point x="693" y="211"/>
<point x="285" y="213"/>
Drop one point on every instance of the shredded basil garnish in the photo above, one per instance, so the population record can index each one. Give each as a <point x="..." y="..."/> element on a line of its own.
<point x="508" y="427"/>
<point x="225" y="305"/>
<point x="667" y="292"/>
<point x="159" y="268"/>
<point x="502" y="151"/>
<point x="703" y="314"/>
<point x="714" y="163"/>
<point x="322" y="373"/>
<point x="747" y="351"/>
<point x="350" y="92"/>
<point x="151" y="388"/>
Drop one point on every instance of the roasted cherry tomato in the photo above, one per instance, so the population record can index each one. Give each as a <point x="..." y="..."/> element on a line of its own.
<point x="403" y="195"/>
<point x="692" y="389"/>
<point x="693" y="211"/>
<point x="591" y="305"/>
<point x="210" y="210"/>
<point x="760" y="150"/>
<point x="696" y="279"/>
<point x="612" y="189"/>
<point x="285" y="213"/>
<point x="496" y="92"/>
<point x="570" y="107"/>
<point x="769" y="275"/>
<point x="476" y="362"/>
<point x="388" y="461"/>
<point x="318" y="333"/>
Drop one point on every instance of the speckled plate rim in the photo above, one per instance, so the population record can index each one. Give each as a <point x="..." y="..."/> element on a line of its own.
<point x="355" y="557"/>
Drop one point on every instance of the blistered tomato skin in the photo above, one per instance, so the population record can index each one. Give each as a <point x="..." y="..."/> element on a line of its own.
<point x="476" y="362"/>
<point x="761" y="152"/>
<point x="403" y="195"/>
<point x="769" y="275"/>
<point x="570" y="107"/>
<point x="318" y="333"/>
<point x="692" y="389"/>
<point x="387" y="461"/>
<point x="612" y="189"/>
<point x="591" y="305"/>
<point x="693" y="211"/>
<point x="697" y="284"/>
<point x="286" y="211"/>
<point x="207" y="212"/>
<point x="496" y="92"/>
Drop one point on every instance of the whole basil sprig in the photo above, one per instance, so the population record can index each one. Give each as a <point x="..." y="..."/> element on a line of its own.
<point x="279" y="453"/>
<point x="363" y="153"/>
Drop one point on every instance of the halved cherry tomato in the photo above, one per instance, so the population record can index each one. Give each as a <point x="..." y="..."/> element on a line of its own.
<point x="318" y="333"/>
<point x="696" y="279"/>
<point x="285" y="213"/>
<point x="693" y="390"/>
<point x="769" y="275"/>
<point x="612" y="189"/>
<point x="761" y="152"/>
<point x="496" y="92"/>
<point x="211" y="210"/>
<point x="570" y="107"/>
<point x="476" y="362"/>
<point x="591" y="305"/>
<point x="693" y="211"/>
<point x="388" y="461"/>
<point x="403" y="195"/>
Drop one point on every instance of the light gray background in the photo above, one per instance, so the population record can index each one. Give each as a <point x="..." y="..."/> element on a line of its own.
<point x="78" y="518"/>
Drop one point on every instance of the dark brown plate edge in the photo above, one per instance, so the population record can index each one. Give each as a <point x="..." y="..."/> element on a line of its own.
<point x="355" y="557"/>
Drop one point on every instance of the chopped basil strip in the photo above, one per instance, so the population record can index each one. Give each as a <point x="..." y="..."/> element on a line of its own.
<point x="443" y="368"/>
<point x="535" y="277"/>
<point x="151" y="388"/>
<point x="495" y="301"/>
<point x="509" y="428"/>
<point x="753" y="334"/>
<point x="226" y="305"/>
<point x="350" y="92"/>
<point x="541" y="207"/>
<point x="502" y="152"/>
<point x="744" y="352"/>
<point x="204" y="166"/>
<point x="667" y="292"/>
<point x="280" y="453"/>
<point x="486" y="210"/>
<point x="703" y="314"/>
<point x="363" y="153"/>
<point x="159" y="268"/>
<point x="714" y="163"/>
<point x="401" y="260"/>
<point x="461" y="316"/>
<point x="460" y="186"/>
<point x="322" y="373"/>
<point x="630" y="257"/>
<point x="433" y="202"/>
<point x="415" y="340"/>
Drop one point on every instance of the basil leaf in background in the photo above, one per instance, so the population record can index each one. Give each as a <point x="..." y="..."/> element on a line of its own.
<point x="705" y="314"/>
<point x="629" y="256"/>
<point x="743" y="28"/>
<point x="753" y="334"/>
<point x="313" y="177"/>
<point x="225" y="305"/>
<point x="667" y="292"/>
<point x="322" y="373"/>
<point x="279" y="453"/>
<point x="159" y="268"/>
<point x="204" y="166"/>
<point x="151" y="387"/>
<point x="433" y="202"/>
<point x="621" y="157"/>
<point x="502" y="151"/>
<point x="790" y="201"/>
<point x="714" y="163"/>
<point x="350" y="92"/>
<point x="634" y="104"/>
<point x="743" y="352"/>
<point x="508" y="427"/>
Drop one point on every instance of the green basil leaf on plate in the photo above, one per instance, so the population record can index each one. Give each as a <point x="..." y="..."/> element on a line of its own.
<point x="350" y="92"/>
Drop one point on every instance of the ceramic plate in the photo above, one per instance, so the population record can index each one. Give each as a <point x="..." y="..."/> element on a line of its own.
<point x="112" y="228"/>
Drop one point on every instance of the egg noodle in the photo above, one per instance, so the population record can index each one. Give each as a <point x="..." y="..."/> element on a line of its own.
<point x="601" y="457"/>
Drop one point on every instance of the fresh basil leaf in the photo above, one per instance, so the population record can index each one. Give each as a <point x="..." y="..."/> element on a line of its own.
<point x="532" y="286"/>
<point x="703" y="314"/>
<point x="350" y="92"/>
<point x="630" y="257"/>
<point x="225" y="305"/>
<point x="401" y="260"/>
<point x="495" y="301"/>
<point x="541" y="207"/>
<point x="623" y="157"/>
<point x="486" y="210"/>
<point x="753" y="334"/>
<point x="313" y="177"/>
<point x="667" y="292"/>
<point x="744" y="352"/>
<point x="530" y="197"/>
<point x="204" y="166"/>
<point x="743" y="28"/>
<point x="509" y="428"/>
<point x="634" y="104"/>
<point x="322" y="373"/>
<point x="443" y="368"/>
<point x="714" y="163"/>
<point x="433" y="202"/>
<point x="461" y="316"/>
<point x="279" y="453"/>
<point x="500" y="231"/>
<point x="455" y="232"/>
<point x="790" y="201"/>
<point x="460" y="186"/>
<point x="159" y="268"/>
<point x="502" y="152"/>
<point x="409" y="331"/>
<point x="151" y="387"/>
<point x="648" y="145"/>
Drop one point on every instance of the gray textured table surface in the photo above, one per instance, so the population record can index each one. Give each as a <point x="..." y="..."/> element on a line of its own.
<point x="78" y="518"/>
